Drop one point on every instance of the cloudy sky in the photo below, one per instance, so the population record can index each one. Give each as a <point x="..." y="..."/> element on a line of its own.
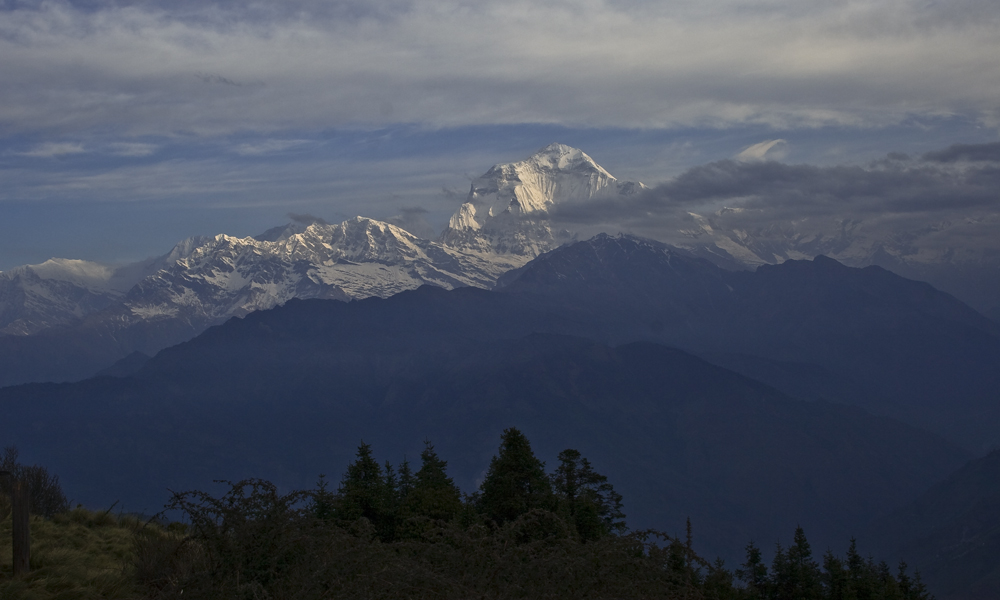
<point x="126" y="126"/>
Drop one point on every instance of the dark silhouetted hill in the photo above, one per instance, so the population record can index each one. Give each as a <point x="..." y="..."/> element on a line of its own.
<point x="814" y="328"/>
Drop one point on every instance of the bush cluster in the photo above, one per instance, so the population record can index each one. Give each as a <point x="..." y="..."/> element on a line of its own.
<point x="47" y="497"/>
<point x="391" y="533"/>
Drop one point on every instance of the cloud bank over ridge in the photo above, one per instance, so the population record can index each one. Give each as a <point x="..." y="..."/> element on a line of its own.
<point x="949" y="199"/>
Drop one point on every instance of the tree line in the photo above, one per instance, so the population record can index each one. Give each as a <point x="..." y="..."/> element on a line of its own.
<point x="396" y="532"/>
<point x="392" y="532"/>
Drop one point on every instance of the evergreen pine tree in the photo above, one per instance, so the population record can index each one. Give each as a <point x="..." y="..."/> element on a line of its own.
<point x="753" y="574"/>
<point x="323" y="500"/>
<point x="585" y="498"/>
<point x="861" y="573"/>
<point x="918" y="591"/>
<point x="434" y="495"/>
<point x="804" y="570"/>
<point x="406" y="480"/>
<point x="515" y="481"/>
<point x="835" y="579"/>
<point x="366" y="492"/>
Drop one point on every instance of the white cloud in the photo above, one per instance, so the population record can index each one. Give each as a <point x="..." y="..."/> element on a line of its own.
<point x="766" y="150"/>
<point x="53" y="149"/>
<point x="133" y="149"/>
<point x="607" y="63"/>
<point x="269" y="147"/>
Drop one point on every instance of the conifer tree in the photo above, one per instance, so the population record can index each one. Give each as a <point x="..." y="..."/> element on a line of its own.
<point x="585" y="497"/>
<point x="324" y="501"/>
<point x="753" y="574"/>
<point x="794" y="573"/>
<point x="861" y="573"/>
<point x="835" y="579"/>
<point x="805" y="570"/>
<point x="434" y="495"/>
<point x="406" y="480"/>
<point x="515" y="481"/>
<point x="366" y="492"/>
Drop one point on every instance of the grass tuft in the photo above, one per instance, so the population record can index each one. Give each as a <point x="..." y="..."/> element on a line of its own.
<point x="76" y="555"/>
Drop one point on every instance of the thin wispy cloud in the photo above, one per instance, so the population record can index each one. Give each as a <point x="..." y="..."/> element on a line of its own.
<point x="267" y="147"/>
<point x="53" y="149"/>
<point x="132" y="149"/>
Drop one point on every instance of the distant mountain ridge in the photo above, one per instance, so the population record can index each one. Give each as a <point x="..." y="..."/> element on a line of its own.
<point x="573" y="349"/>
<point x="205" y="280"/>
<point x="877" y="340"/>
<point x="87" y="315"/>
<point x="288" y="393"/>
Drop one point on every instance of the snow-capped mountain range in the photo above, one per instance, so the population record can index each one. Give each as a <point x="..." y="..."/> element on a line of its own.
<point x="501" y="225"/>
<point x="206" y="280"/>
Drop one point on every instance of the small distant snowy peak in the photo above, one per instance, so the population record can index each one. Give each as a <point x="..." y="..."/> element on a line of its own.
<point x="80" y="272"/>
<point x="367" y="240"/>
<point x="506" y="206"/>
<point x="55" y="292"/>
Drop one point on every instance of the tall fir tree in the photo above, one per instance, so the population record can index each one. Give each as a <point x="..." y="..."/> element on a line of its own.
<point x="753" y="574"/>
<point x="835" y="579"/>
<point x="406" y="480"/>
<point x="366" y="491"/>
<point x="434" y="495"/>
<point x="585" y="498"/>
<point x="515" y="481"/>
<point x="795" y="574"/>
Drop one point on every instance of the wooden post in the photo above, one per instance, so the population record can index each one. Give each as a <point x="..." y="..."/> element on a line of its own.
<point x="21" y="500"/>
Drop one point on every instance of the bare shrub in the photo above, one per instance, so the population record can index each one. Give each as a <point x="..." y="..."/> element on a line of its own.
<point x="47" y="497"/>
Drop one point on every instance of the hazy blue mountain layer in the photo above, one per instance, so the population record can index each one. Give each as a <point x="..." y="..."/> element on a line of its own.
<point x="289" y="393"/>
<point x="814" y="328"/>
<point x="952" y="532"/>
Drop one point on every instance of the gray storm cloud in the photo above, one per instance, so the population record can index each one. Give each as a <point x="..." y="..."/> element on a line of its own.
<point x="306" y="219"/>
<point x="218" y="67"/>
<point x="952" y="196"/>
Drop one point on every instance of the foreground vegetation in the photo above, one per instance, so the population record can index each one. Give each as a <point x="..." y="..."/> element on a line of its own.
<point x="77" y="554"/>
<point x="393" y="533"/>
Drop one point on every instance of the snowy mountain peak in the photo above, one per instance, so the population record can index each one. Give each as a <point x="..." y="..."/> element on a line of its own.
<point x="560" y="157"/>
<point x="504" y="211"/>
<point x="81" y="272"/>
